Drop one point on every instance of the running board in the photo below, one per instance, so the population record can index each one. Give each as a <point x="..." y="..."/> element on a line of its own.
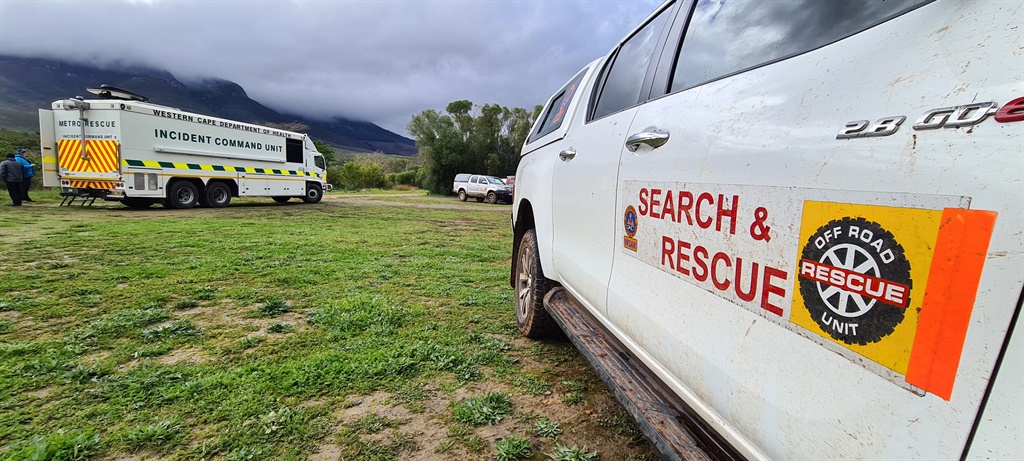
<point x="676" y="432"/>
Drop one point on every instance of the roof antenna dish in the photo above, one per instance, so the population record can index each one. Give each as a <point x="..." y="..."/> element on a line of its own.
<point x="112" y="92"/>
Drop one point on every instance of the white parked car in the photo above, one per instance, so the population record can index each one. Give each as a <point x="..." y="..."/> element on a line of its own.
<point x="791" y="229"/>
<point x="481" y="187"/>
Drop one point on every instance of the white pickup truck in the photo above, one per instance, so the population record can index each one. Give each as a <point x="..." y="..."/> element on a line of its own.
<point x="791" y="230"/>
<point x="481" y="187"/>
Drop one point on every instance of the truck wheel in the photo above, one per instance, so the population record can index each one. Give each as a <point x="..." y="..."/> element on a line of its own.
<point x="531" y="286"/>
<point x="136" y="202"/>
<point x="492" y="198"/>
<point x="313" y="193"/>
<point x="280" y="199"/>
<point x="182" y="195"/>
<point x="462" y="195"/>
<point x="218" y="195"/>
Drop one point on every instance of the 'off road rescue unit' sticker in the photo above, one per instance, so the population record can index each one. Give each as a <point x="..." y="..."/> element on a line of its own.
<point x="891" y="278"/>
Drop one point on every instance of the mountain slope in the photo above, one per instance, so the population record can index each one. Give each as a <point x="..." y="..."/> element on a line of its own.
<point x="28" y="84"/>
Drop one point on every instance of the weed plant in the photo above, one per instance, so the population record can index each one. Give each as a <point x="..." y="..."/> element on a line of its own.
<point x="488" y="409"/>
<point x="273" y="307"/>
<point x="512" y="448"/>
<point x="547" y="428"/>
<point x="574" y="453"/>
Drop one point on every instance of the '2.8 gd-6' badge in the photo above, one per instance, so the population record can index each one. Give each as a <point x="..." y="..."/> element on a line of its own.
<point x="855" y="280"/>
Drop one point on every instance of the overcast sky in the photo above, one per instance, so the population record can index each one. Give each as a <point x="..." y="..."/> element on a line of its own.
<point x="380" y="61"/>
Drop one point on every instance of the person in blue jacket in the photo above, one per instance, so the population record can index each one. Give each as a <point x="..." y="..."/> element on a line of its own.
<point x="29" y="172"/>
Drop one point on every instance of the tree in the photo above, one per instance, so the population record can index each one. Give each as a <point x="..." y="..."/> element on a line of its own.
<point x="360" y="174"/>
<point x="458" y="141"/>
<point x="325" y="149"/>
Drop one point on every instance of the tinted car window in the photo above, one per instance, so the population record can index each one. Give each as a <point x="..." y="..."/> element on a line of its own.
<point x="625" y="76"/>
<point x="555" y="113"/>
<point x="726" y="36"/>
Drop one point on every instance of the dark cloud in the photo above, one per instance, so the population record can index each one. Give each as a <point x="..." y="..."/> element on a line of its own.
<point x="380" y="61"/>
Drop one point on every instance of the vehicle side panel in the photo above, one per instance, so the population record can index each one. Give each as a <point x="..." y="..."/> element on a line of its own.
<point x="769" y="138"/>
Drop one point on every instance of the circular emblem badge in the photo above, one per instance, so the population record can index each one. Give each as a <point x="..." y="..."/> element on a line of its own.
<point x="629" y="221"/>
<point x="855" y="280"/>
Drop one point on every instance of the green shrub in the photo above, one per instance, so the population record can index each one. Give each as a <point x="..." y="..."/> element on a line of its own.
<point x="489" y="409"/>
<point x="547" y="428"/>
<point x="575" y="453"/>
<point x="512" y="448"/>
<point x="59" y="446"/>
<point x="359" y="174"/>
<point x="185" y="304"/>
<point x="161" y="435"/>
<point x="273" y="307"/>
<point x="409" y="177"/>
<point x="176" y="329"/>
<point x="280" y="328"/>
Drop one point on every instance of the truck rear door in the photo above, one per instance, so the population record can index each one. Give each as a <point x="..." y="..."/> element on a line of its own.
<point x="48" y="148"/>
<point x="99" y="158"/>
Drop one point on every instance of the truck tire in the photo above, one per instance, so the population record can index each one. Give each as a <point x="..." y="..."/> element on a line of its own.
<point x="137" y="202"/>
<point x="531" y="286"/>
<point x="313" y="193"/>
<point x="492" y="198"/>
<point x="281" y="199"/>
<point x="462" y="195"/>
<point x="182" y="195"/>
<point x="218" y="195"/>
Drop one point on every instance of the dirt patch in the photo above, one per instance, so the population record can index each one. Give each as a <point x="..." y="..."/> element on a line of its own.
<point x="328" y="452"/>
<point x="597" y="423"/>
<point x="214" y="315"/>
<point x="40" y="394"/>
<point x="95" y="358"/>
<point x="428" y="428"/>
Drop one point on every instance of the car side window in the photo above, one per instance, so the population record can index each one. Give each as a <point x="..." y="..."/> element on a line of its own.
<point x="725" y="37"/>
<point x="623" y="77"/>
<point x="555" y="112"/>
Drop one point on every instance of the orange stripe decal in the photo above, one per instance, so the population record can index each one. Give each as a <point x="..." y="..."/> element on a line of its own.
<point x="960" y="252"/>
<point x="101" y="156"/>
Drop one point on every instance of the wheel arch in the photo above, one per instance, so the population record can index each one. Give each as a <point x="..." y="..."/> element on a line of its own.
<point x="195" y="182"/>
<point x="522" y="221"/>
<point x="231" y="183"/>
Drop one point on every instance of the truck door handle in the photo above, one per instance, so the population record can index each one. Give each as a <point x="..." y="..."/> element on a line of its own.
<point x="567" y="154"/>
<point x="655" y="139"/>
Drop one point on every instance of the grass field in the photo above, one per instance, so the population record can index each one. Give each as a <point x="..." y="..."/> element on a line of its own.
<point x="352" y="329"/>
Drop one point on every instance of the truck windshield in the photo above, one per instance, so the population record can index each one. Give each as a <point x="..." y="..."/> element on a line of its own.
<point x="319" y="162"/>
<point x="496" y="181"/>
